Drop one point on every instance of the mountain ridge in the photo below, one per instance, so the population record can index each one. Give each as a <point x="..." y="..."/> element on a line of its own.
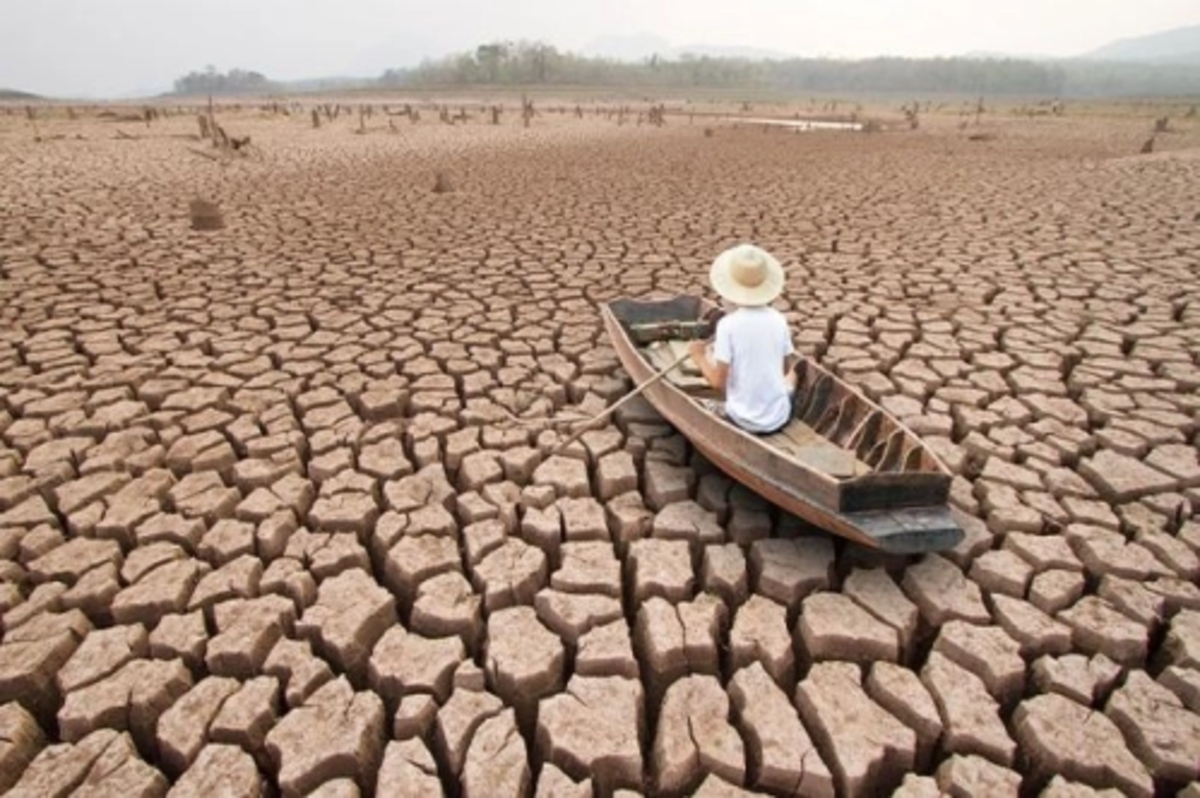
<point x="1172" y="46"/>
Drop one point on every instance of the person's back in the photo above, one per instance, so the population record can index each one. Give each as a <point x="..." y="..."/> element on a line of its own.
<point x="755" y="343"/>
<point x="749" y="357"/>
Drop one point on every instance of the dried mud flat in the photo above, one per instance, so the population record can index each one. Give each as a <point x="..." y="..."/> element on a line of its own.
<point x="267" y="524"/>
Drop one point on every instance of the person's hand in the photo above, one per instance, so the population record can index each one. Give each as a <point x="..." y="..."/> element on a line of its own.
<point x="698" y="349"/>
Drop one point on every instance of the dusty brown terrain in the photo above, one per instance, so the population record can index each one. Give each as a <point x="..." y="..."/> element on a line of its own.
<point x="267" y="524"/>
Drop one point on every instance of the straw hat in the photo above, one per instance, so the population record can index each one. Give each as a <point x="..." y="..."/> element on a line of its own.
<point x="747" y="275"/>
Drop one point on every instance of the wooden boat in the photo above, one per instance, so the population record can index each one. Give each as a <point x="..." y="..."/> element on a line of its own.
<point x="843" y="463"/>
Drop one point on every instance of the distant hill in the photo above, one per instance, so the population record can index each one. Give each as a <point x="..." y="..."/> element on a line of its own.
<point x="13" y="94"/>
<point x="1175" y="46"/>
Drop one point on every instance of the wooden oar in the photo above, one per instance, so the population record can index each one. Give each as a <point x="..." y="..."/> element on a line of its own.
<point x="608" y="411"/>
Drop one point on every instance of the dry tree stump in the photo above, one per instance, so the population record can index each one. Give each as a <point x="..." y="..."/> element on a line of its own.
<point x="442" y="184"/>
<point x="206" y="215"/>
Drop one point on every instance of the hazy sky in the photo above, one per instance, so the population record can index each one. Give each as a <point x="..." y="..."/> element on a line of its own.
<point x="116" y="47"/>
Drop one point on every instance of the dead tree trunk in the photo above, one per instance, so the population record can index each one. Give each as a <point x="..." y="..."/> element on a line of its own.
<point x="212" y="121"/>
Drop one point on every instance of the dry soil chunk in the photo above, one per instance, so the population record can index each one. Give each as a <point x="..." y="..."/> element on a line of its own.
<point x="404" y="662"/>
<point x="102" y="653"/>
<point x="1035" y="632"/>
<point x="970" y="715"/>
<point x="351" y="614"/>
<point x="900" y="692"/>
<point x="615" y="474"/>
<point x="970" y="776"/>
<point x="779" y="749"/>
<point x="572" y="615"/>
<point x="675" y="639"/>
<point x="832" y="626"/>
<point x="566" y="475"/>
<point x="238" y="578"/>
<point x="21" y="739"/>
<point x="511" y="574"/>
<point x="1061" y="788"/>
<point x="592" y="730"/>
<point x="183" y="728"/>
<point x="915" y="786"/>
<point x="416" y="558"/>
<point x="247" y="715"/>
<point x="180" y="636"/>
<point x="1182" y="646"/>
<point x="132" y="699"/>
<point x="1160" y="730"/>
<point x="874" y="590"/>
<point x="1120" y="478"/>
<point x="553" y="783"/>
<point x="70" y="561"/>
<point x="300" y="672"/>
<point x="667" y="484"/>
<point x="1183" y="682"/>
<point x="445" y="605"/>
<point x="523" y="659"/>
<point x="660" y="568"/>
<point x="989" y="653"/>
<point x="408" y="771"/>
<point x="1063" y="737"/>
<point x="868" y="750"/>
<point x="1076" y="676"/>
<point x="1001" y="571"/>
<point x="694" y="736"/>
<point x="724" y="573"/>
<point x="164" y="590"/>
<point x="220" y="770"/>
<point x="686" y="520"/>
<point x="760" y="634"/>
<point x="337" y="733"/>
<point x="457" y="721"/>
<point x="1098" y="628"/>
<point x="606" y="651"/>
<point x="1055" y="589"/>
<point x="103" y="763"/>
<point x="588" y="567"/>
<point x="788" y="570"/>
<point x="497" y="763"/>
<point x="942" y="593"/>
<point x="583" y="520"/>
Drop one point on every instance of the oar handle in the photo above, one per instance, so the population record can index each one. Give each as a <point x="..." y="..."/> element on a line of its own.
<point x="608" y="411"/>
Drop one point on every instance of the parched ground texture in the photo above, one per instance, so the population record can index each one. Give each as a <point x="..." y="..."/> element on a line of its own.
<point x="277" y="515"/>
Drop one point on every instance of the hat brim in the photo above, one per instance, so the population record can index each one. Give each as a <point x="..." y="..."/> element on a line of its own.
<point x="766" y="292"/>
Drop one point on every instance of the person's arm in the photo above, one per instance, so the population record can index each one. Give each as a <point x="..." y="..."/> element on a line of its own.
<point x="716" y="372"/>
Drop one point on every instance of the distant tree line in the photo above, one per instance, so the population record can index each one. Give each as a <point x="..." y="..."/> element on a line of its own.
<point x="537" y="63"/>
<point x="235" y="81"/>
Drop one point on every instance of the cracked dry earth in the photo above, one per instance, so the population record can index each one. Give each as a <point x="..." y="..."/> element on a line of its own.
<point x="267" y="524"/>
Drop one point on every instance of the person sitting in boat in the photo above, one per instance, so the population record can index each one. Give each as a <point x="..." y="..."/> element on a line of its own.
<point x="748" y="361"/>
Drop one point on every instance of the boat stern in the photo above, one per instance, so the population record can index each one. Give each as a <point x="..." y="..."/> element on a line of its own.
<point x="909" y="530"/>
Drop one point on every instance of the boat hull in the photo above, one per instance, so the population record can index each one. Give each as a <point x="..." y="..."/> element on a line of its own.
<point x="912" y="525"/>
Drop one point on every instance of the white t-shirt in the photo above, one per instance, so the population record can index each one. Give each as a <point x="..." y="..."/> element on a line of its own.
<point x="754" y="342"/>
